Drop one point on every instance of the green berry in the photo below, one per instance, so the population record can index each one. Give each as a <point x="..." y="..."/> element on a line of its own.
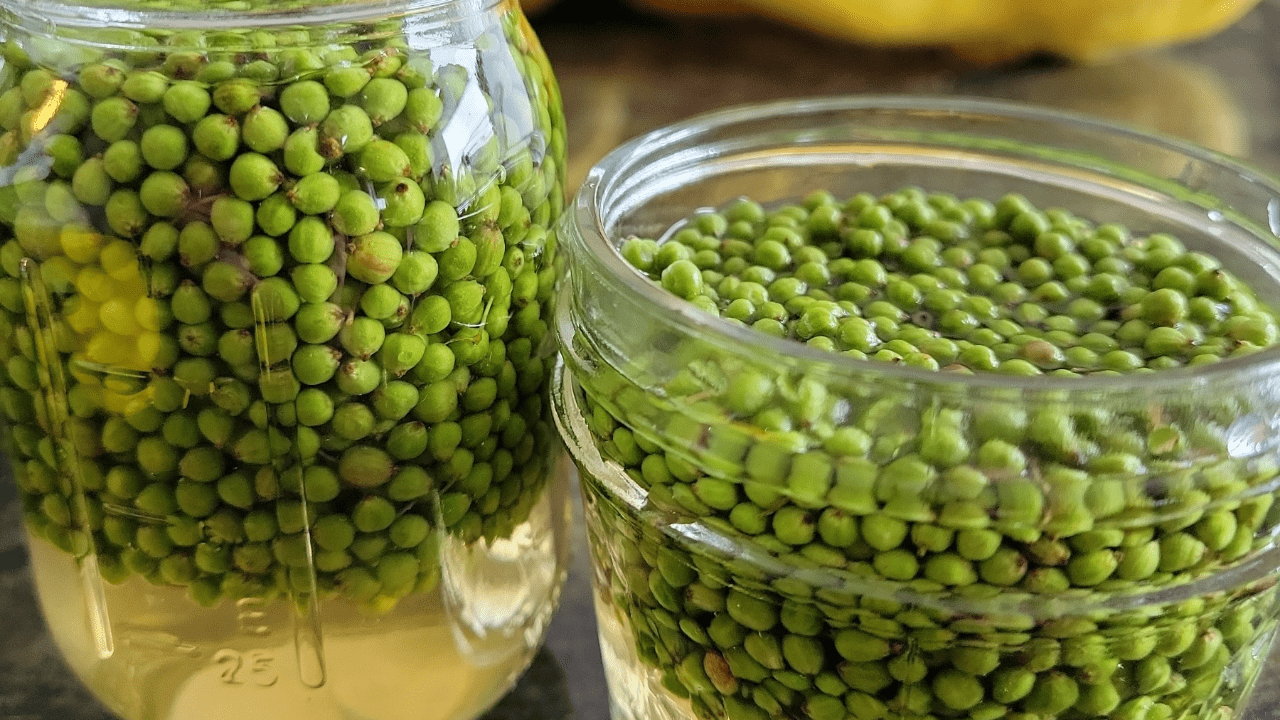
<point x="216" y="136"/>
<point x="305" y="102"/>
<point x="264" y="130"/>
<point x="164" y="147"/>
<point x="374" y="257"/>
<point x="254" y="176"/>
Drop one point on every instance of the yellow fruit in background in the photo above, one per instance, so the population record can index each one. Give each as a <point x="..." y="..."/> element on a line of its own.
<point x="988" y="30"/>
<point x="531" y="7"/>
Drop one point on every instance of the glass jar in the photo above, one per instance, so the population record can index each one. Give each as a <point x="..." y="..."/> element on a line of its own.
<point x="274" y="314"/>
<point x="779" y="531"/>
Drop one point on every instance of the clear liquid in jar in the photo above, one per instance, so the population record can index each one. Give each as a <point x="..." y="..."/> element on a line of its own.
<point x="172" y="659"/>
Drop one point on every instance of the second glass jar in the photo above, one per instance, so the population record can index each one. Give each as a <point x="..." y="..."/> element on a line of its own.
<point x="783" y="531"/>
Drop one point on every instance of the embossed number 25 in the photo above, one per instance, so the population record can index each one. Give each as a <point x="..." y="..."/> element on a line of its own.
<point x="255" y="666"/>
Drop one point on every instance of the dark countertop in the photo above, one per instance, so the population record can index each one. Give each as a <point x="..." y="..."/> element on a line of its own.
<point x="622" y="74"/>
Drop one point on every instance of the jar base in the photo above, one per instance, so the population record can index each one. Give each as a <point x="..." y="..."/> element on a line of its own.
<point x="238" y="659"/>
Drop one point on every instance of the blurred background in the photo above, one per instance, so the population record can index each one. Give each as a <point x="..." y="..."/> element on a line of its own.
<point x="1205" y="71"/>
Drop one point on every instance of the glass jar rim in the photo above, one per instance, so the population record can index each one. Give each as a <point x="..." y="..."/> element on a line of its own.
<point x="612" y="174"/>
<point x="129" y="14"/>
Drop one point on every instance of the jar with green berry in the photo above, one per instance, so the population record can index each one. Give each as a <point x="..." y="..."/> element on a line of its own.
<point x="275" y="292"/>
<point x="911" y="409"/>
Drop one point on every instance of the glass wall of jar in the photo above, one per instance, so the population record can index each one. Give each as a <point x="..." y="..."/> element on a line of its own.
<point x="783" y="531"/>
<point x="274" y="311"/>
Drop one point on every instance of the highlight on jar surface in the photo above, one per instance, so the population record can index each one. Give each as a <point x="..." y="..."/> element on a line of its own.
<point x="895" y="408"/>
<point x="275" y="294"/>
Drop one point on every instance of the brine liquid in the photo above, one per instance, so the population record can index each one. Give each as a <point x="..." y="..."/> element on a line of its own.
<point x="173" y="660"/>
<point x="635" y="689"/>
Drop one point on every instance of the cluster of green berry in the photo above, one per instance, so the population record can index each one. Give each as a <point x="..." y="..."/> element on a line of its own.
<point x="269" y="322"/>
<point x="826" y="545"/>
<point x="937" y="283"/>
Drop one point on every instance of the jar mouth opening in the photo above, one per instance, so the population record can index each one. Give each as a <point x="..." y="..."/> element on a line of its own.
<point x="225" y="14"/>
<point x="599" y="204"/>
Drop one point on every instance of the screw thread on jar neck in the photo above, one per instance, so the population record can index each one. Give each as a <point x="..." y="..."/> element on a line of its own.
<point x="56" y="19"/>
